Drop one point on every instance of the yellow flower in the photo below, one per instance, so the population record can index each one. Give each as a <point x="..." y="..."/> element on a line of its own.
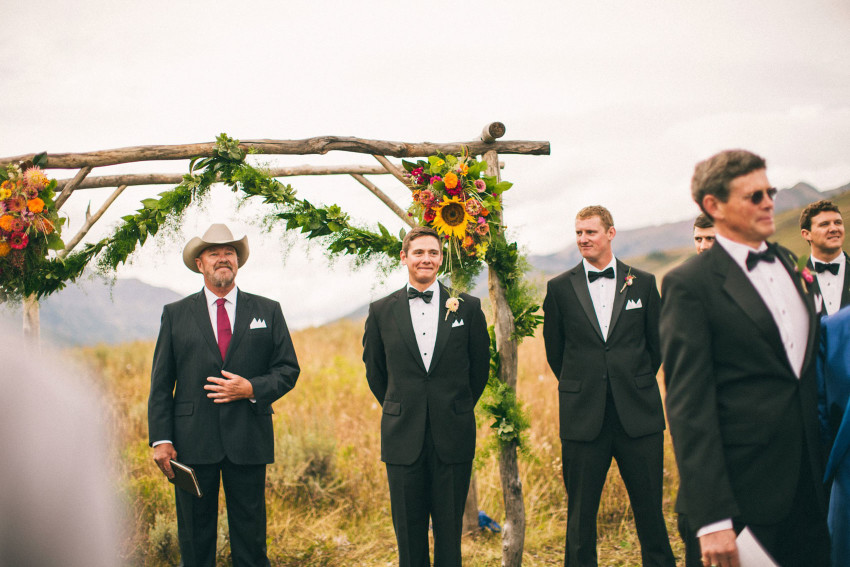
<point x="451" y="217"/>
<point x="5" y="190"/>
<point x="463" y="168"/>
<point x="440" y="163"/>
<point x="4" y="248"/>
<point x="450" y="180"/>
<point x="35" y="205"/>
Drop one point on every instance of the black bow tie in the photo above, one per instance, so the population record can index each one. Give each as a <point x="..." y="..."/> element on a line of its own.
<point x="413" y="293"/>
<point x="606" y="273"/>
<point x="753" y="258"/>
<point x="821" y="267"/>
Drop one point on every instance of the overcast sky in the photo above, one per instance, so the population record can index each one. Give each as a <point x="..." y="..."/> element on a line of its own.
<point x="630" y="94"/>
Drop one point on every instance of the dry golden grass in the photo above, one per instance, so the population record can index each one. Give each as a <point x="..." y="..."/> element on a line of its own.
<point x="327" y="496"/>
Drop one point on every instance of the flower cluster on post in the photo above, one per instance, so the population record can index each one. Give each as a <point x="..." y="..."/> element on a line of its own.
<point x="451" y="195"/>
<point x="29" y="224"/>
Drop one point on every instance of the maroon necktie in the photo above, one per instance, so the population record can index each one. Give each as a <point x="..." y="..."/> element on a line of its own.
<point x="223" y="326"/>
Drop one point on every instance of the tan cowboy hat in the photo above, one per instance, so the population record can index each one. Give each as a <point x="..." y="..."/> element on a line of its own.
<point x="216" y="235"/>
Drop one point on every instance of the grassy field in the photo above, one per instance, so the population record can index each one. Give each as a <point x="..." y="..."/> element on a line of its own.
<point x="327" y="495"/>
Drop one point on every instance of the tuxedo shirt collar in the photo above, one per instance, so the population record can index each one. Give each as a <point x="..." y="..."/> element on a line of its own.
<point x="837" y="260"/>
<point x="229" y="307"/>
<point x="435" y="287"/>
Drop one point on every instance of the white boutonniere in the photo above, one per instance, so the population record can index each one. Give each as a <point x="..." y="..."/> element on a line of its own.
<point x="628" y="281"/>
<point x="452" y="305"/>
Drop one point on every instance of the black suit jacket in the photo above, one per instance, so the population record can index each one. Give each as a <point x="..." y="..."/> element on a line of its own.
<point x="586" y="365"/>
<point x="186" y="353"/>
<point x="738" y="414"/>
<point x="814" y="288"/>
<point x="445" y="394"/>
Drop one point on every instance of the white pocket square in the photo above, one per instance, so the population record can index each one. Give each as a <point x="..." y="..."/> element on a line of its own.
<point x="457" y="323"/>
<point x="258" y="324"/>
<point x="631" y="304"/>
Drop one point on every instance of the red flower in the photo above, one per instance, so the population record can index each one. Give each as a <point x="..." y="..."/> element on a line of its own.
<point x="807" y="275"/>
<point x="19" y="240"/>
<point x="430" y="215"/>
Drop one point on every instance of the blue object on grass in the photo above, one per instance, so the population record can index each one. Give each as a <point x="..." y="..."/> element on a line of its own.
<point x="485" y="522"/>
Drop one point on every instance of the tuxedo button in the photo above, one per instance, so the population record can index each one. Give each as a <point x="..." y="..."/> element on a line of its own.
<point x="607" y="348"/>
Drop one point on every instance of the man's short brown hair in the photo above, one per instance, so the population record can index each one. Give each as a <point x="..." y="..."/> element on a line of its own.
<point x="417" y="232"/>
<point x="814" y="209"/>
<point x="597" y="211"/>
<point x="713" y="176"/>
<point x="703" y="221"/>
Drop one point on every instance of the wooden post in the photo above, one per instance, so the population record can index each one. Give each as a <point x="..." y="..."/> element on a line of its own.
<point x="32" y="330"/>
<point x="470" y="510"/>
<point x="513" y="529"/>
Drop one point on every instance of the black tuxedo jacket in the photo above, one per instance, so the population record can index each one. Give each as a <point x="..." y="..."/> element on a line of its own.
<point x="446" y="394"/>
<point x="738" y="415"/>
<point x="186" y="353"/>
<point x="587" y="366"/>
<point x="814" y="288"/>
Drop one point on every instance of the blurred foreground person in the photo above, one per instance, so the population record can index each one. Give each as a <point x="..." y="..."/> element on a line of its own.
<point x="57" y="499"/>
<point x="834" y="396"/>
<point x="739" y="342"/>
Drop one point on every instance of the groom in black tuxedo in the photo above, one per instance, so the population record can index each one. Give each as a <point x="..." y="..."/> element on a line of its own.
<point x="222" y="358"/>
<point x="601" y="336"/>
<point x="427" y="362"/>
<point x="739" y="339"/>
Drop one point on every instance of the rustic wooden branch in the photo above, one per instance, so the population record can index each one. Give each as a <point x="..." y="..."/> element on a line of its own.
<point x="101" y="181"/>
<point x="90" y="220"/>
<point x="318" y="145"/>
<point x="513" y="532"/>
<point x="492" y="131"/>
<point x="385" y="198"/>
<point x="395" y="171"/>
<point x="72" y="185"/>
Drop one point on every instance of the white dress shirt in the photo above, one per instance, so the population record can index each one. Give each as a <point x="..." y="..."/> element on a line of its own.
<point x="777" y="290"/>
<point x="229" y="307"/>
<point x="602" y="293"/>
<point x="831" y="286"/>
<point x="425" y="317"/>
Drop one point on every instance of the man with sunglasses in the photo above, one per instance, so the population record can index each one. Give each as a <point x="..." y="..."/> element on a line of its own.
<point x="738" y="340"/>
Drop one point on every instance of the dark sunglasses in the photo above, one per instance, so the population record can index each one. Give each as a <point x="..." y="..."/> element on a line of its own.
<point x="757" y="197"/>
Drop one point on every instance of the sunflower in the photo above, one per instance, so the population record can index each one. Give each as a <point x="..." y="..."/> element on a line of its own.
<point x="451" y="217"/>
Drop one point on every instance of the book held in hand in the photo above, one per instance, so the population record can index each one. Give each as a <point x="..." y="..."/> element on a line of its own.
<point x="184" y="477"/>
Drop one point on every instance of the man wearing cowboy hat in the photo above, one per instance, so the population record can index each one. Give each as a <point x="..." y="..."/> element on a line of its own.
<point x="222" y="358"/>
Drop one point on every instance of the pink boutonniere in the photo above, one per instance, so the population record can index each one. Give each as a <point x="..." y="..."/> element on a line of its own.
<point x="806" y="276"/>
<point x="628" y="281"/>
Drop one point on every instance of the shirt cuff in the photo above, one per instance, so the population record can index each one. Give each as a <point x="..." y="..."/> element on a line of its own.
<point x="715" y="527"/>
<point x="155" y="443"/>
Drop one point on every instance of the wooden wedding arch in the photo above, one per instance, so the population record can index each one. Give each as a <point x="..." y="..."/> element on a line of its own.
<point x="487" y="145"/>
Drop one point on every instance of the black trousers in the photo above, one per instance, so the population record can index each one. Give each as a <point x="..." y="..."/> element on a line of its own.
<point x="428" y="488"/>
<point x="641" y="464"/>
<point x="197" y="518"/>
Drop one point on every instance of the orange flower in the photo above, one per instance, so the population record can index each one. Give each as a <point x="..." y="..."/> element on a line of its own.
<point x="42" y="225"/>
<point x="6" y="222"/>
<point x="4" y="248"/>
<point x="35" y="205"/>
<point x="464" y="169"/>
<point x="450" y="180"/>
<point x="468" y="242"/>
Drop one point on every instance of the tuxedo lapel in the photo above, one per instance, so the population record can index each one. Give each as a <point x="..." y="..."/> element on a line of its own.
<point x="401" y="312"/>
<point x="738" y="286"/>
<point x="845" y="291"/>
<point x="619" y="298"/>
<point x="578" y="279"/>
<point x="444" y="327"/>
<point x="244" y="312"/>
<point x="201" y="314"/>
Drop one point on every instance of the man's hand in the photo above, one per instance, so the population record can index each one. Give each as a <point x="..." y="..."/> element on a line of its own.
<point x="228" y="389"/>
<point x="162" y="454"/>
<point x="719" y="549"/>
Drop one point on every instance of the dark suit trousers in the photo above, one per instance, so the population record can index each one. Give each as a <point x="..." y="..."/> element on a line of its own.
<point x="641" y="464"/>
<point x="428" y="488"/>
<point x="197" y="518"/>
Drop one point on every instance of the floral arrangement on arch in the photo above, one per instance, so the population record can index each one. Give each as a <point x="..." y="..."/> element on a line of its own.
<point x="29" y="223"/>
<point x="451" y="195"/>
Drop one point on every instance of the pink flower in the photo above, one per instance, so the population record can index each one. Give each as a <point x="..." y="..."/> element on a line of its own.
<point x="434" y="179"/>
<point x="426" y="197"/>
<point x="480" y="186"/>
<point x="807" y="275"/>
<point x="482" y="229"/>
<point x="19" y="240"/>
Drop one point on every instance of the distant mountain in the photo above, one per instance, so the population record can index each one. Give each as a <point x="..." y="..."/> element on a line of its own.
<point x="96" y="310"/>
